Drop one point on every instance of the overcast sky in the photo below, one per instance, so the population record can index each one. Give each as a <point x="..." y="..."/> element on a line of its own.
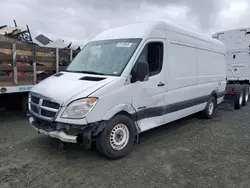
<point x="80" y="20"/>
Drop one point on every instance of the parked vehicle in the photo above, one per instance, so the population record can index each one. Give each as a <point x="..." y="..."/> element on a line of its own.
<point x="24" y="65"/>
<point x="128" y="80"/>
<point x="237" y="42"/>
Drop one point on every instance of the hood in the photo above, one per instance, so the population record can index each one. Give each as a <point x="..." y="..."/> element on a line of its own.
<point x="64" y="86"/>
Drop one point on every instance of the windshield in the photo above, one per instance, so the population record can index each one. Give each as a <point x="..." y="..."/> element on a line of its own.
<point x="107" y="57"/>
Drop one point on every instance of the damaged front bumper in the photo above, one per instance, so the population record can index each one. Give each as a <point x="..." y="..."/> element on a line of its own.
<point x="68" y="133"/>
<point x="58" y="131"/>
<point x="54" y="134"/>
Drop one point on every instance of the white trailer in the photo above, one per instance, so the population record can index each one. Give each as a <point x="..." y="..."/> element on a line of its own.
<point x="237" y="42"/>
<point x="128" y="80"/>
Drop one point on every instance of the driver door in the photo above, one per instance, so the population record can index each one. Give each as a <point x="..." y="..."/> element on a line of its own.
<point x="149" y="95"/>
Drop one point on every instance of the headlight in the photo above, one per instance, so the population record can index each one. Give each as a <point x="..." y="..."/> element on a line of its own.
<point x="79" y="108"/>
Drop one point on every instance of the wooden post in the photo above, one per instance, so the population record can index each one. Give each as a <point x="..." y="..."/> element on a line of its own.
<point x="14" y="63"/>
<point x="57" y="60"/>
<point x="71" y="55"/>
<point x="34" y="65"/>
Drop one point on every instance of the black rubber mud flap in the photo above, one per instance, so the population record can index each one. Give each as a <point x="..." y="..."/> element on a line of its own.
<point x="227" y="105"/>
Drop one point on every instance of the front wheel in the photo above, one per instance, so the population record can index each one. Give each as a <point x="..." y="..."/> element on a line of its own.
<point x="118" y="137"/>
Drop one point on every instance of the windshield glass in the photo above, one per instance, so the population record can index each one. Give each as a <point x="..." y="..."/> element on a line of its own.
<point x="107" y="57"/>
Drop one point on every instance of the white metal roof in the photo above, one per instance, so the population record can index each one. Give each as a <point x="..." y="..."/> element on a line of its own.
<point x="247" y="29"/>
<point x="234" y="39"/>
<point x="9" y="29"/>
<point x="137" y="30"/>
<point x="143" y="30"/>
<point x="59" y="43"/>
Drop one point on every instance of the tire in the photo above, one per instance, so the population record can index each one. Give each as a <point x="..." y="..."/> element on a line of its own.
<point x="108" y="142"/>
<point x="207" y="113"/>
<point x="239" y="98"/>
<point x="246" y="94"/>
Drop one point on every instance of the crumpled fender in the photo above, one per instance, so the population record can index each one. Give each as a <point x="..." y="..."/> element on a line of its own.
<point x="119" y="108"/>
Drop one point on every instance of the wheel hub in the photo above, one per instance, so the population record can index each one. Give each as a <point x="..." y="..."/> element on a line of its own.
<point x="119" y="137"/>
<point x="211" y="108"/>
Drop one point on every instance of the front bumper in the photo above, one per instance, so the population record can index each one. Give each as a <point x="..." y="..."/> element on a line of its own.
<point x="59" y="134"/>
<point x="71" y="133"/>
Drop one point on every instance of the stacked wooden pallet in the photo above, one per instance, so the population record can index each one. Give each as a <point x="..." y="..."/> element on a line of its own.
<point x="26" y="64"/>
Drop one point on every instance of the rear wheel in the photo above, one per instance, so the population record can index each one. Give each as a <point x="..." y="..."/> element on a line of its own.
<point x="207" y="113"/>
<point x="246" y="95"/>
<point x="118" y="137"/>
<point x="239" y="98"/>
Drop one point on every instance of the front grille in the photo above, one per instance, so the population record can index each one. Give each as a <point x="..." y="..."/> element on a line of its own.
<point x="43" y="108"/>
<point x="51" y="104"/>
<point x="47" y="113"/>
<point x="34" y="108"/>
<point x="35" y="99"/>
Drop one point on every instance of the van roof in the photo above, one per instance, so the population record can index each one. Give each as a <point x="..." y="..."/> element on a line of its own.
<point x="143" y="30"/>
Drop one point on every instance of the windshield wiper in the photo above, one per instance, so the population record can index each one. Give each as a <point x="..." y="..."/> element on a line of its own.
<point x="87" y="72"/>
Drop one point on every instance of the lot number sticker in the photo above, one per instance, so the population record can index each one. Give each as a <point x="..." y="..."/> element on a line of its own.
<point x="124" y="45"/>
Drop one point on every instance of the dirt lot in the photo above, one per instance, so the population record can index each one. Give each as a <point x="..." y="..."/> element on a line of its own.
<point x="187" y="153"/>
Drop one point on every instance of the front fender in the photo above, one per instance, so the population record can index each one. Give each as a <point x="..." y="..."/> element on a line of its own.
<point x="119" y="108"/>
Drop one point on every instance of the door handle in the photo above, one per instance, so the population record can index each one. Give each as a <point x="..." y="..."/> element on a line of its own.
<point x="161" y="84"/>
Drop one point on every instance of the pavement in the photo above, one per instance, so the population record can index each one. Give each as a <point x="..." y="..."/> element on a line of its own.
<point x="190" y="152"/>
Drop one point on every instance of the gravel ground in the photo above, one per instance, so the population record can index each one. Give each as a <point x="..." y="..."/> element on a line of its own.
<point x="187" y="153"/>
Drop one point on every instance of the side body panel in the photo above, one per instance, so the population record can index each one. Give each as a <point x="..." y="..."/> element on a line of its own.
<point x="211" y="70"/>
<point x="193" y="71"/>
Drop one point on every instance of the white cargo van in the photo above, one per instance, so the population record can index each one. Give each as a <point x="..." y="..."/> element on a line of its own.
<point x="128" y="80"/>
<point x="237" y="42"/>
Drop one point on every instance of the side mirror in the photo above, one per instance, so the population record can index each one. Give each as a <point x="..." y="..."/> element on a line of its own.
<point x="140" y="72"/>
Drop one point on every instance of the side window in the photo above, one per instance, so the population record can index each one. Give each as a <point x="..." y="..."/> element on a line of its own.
<point x="153" y="54"/>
